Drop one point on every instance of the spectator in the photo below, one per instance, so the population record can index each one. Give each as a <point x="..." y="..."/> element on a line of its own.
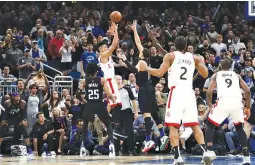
<point x="26" y="65"/>
<point x="15" y="115"/>
<point x="7" y="78"/>
<point x="66" y="59"/>
<point x="33" y="107"/>
<point x="38" y="55"/>
<point x="53" y="48"/>
<point x="161" y="101"/>
<point x="219" y="45"/>
<point x="12" y="57"/>
<point x="42" y="136"/>
<point x="39" y="23"/>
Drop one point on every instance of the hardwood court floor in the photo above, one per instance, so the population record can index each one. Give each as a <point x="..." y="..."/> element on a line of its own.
<point x="122" y="160"/>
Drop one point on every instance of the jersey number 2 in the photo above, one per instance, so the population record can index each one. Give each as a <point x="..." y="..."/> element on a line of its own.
<point x="229" y="82"/>
<point x="183" y="74"/>
<point x="93" y="94"/>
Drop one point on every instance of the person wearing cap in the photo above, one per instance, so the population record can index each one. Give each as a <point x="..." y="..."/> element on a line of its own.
<point x="26" y="65"/>
<point x="15" y="115"/>
<point x="248" y="79"/>
<point x="38" y="54"/>
<point x="219" y="45"/>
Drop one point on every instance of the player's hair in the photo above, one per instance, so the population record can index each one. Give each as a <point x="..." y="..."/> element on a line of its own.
<point x="146" y="53"/>
<point x="92" y="69"/>
<point x="180" y="43"/>
<point x="78" y="121"/>
<point x="226" y="64"/>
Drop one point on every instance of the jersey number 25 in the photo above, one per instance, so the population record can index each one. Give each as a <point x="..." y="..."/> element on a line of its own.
<point x="93" y="94"/>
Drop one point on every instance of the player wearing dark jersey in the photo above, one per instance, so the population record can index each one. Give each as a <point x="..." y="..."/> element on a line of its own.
<point x="146" y="98"/>
<point x="94" y="88"/>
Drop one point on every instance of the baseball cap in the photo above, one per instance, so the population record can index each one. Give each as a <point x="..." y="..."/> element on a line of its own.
<point x="15" y="94"/>
<point x="34" y="42"/>
<point x="249" y="69"/>
<point x="223" y="50"/>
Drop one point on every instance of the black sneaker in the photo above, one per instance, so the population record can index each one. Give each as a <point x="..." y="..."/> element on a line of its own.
<point x="1" y="155"/>
<point x="233" y="152"/>
<point x="132" y="153"/>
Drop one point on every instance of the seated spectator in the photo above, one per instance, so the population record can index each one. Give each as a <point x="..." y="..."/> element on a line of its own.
<point x="185" y="133"/>
<point x="6" y="77"/>
<point x="60" y="127"/>
<point x="161" y="101"/>
<point x="230" y="137"/>
<point x="15" y="115"/>
<point x="43" y="136"/>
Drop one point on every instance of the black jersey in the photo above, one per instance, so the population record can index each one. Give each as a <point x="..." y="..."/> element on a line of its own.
<point x="93" y="89"/>
<point x="142" y="78"/>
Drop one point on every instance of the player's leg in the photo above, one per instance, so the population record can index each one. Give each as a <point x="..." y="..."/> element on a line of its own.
<point x="238" y="119"/>
<point x="219" y="114"/>
<point x="174" y="112"/>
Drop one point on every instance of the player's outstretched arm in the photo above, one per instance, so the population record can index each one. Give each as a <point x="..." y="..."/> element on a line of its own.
<point x="136" y="36"/>
<point x="200" y="66"/>
<point x="209" y="93"/>
<point x="247" y="92"/>
<point x="115" y="41"/>
<point x="163" y="67"/>
<point x="107" y="90"/>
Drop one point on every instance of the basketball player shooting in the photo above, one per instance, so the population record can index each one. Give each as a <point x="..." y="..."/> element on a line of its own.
<point x="94" y="88"/>
<point x="180" y="83"/>
<point x="107" y="65"/>
<point x="229" y="103"/>
<point x="146" y="98"/>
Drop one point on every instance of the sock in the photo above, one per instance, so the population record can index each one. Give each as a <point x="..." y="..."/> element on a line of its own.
<point x="148" y="138"/>
<point x="148" y="126"/>
<point x="161" y="131"/>
<point x="210" y="148"/>
<point x="203" y="147"/>
<point x="176" y="152"/>
<point x="157" y="140"/>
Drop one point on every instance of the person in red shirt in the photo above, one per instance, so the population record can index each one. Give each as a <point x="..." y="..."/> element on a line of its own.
<point x="54" y="47"/>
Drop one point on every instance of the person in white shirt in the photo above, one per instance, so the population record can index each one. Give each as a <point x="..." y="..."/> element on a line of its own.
<point x="66" y="59"/>
<point x="219" y="45"/>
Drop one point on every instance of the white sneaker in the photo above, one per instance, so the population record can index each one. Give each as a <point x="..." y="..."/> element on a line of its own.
<point x="53" y="153"/>
<point x="111" y="151"/>
<point x="164" y="143"/>
<point x="178" y="161"/>
<point x="208" y="156"/>
<point x="83" y="151"/>
<point x="148" y="146"/>
<point x="157" y="149"/>
<point x="246" y="160"/>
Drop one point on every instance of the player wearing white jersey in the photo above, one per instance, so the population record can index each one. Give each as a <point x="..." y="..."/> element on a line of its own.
<point x="182" y="104"/>
<point x="229" y="103"/>
<point x="107" y="65"/>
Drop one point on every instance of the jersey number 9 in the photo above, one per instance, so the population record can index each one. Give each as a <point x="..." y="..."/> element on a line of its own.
<point x="229" y="82"/>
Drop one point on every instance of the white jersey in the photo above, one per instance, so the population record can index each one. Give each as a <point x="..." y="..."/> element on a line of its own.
<point x="108" y="68"/>
<point x="181" y="72"/>
<point x="228" y="84"/>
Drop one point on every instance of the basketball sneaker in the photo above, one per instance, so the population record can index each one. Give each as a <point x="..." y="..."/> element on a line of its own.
<point x="148" y="146"/>
<point x="208" y="156"/>
<point x="178" y="161"/>
<point x="246" y="158"/>
<point x="164" y="143"/>
<point x="111" y="151"/>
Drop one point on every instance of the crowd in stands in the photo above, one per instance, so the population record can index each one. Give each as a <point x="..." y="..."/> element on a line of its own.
<point x="35" y="36"/>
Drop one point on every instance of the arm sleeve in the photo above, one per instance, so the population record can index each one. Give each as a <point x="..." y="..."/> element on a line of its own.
<point x="130" y="93"/>
<point x="131" y="67"/>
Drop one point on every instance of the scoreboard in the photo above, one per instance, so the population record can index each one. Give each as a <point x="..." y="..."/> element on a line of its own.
<point x="249" y="10"/>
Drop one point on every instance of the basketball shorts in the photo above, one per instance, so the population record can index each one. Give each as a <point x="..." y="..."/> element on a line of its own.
<point x="147" y="99"/>
<point x="181" y="106"/>
<point x="225" y="107"/>
<point x="111" y="82"/>
<point x="95" y="108"/>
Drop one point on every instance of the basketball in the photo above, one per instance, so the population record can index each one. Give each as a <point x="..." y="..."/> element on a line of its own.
<point x="116" y="16"/>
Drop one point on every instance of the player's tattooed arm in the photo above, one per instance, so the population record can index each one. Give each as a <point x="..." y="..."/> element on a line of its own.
<point x="247" y="92"/>
<point x="80" y="89"/>
<point x="209" y="93"/>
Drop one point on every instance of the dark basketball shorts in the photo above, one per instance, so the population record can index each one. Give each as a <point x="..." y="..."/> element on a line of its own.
<point x="147" y="99"/>
<point x="95" y="108"/>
